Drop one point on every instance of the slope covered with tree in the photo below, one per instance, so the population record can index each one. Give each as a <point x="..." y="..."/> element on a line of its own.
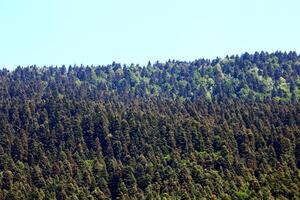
<point x="216" y="129"/>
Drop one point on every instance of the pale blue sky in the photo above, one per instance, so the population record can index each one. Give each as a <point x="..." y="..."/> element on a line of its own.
<point x="56" y="32"/>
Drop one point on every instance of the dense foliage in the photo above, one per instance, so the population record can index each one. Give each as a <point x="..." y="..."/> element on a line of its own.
<point x="208" y="129"/>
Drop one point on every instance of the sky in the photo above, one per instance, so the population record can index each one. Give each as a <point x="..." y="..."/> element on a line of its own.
<point x="98" y="32"/>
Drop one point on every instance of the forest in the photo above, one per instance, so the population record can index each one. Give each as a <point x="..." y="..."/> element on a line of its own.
<point x="227" y="128"/>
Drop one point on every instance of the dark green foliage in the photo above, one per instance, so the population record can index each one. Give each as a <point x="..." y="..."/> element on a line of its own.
<point x="222" y="129"/>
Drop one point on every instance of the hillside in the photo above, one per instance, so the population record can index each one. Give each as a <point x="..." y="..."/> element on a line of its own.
<point x="207" y="129"/>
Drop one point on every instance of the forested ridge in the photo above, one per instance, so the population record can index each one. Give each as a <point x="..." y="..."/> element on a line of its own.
<point x="207" y="129"/>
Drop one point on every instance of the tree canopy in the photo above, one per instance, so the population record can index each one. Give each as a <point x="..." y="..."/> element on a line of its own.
<point x="208" y="129"/>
